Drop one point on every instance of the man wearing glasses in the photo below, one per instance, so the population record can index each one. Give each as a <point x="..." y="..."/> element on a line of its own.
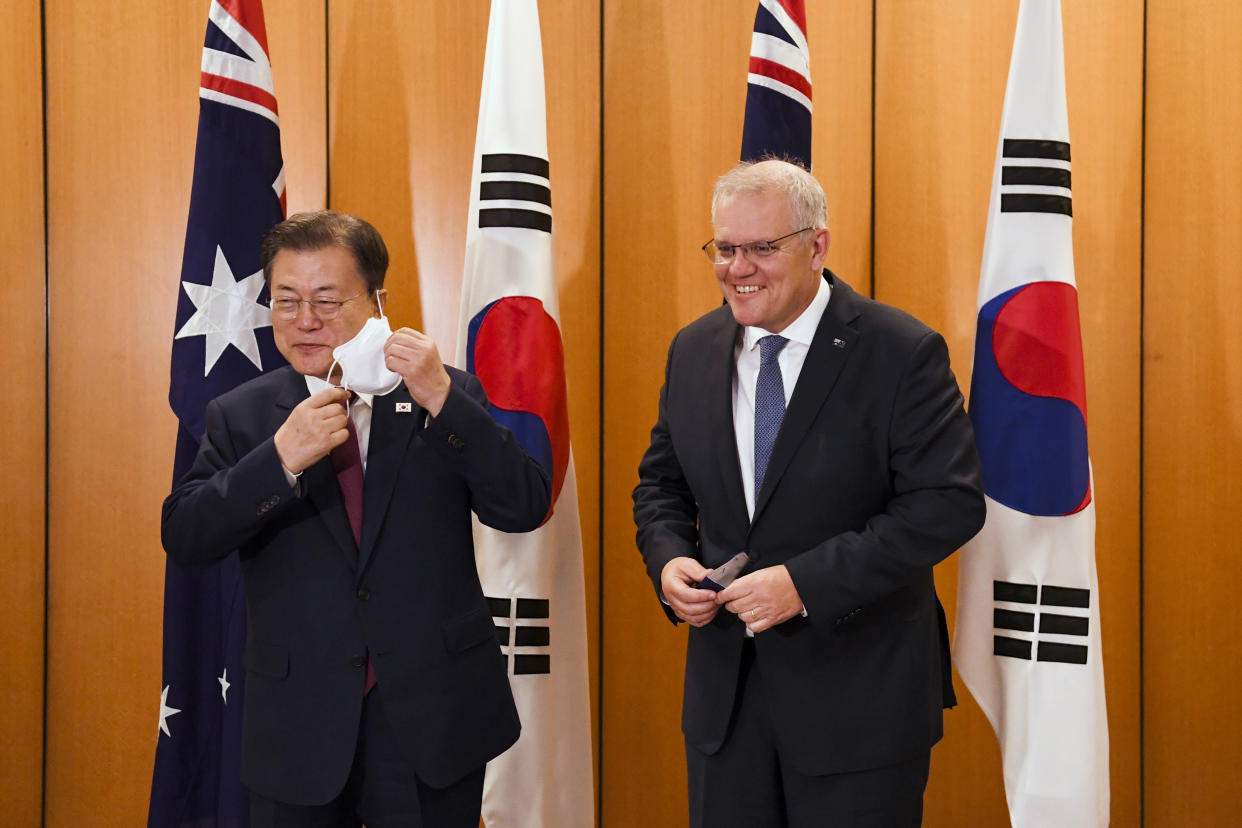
<point x="811" y="462"/>
<point x="375" y="691"/>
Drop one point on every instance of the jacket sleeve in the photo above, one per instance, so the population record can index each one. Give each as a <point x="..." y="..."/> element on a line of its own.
<point x="665" y="511"/>
<point x="936" y="503"/>
<point x="225" y="499"/>
<point x="509" y="490"/>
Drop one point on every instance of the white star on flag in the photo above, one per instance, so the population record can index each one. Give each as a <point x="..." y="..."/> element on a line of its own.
<point x="165" y="712"/>
<point x="224" y="685"/>
<point x="226" y="313"/>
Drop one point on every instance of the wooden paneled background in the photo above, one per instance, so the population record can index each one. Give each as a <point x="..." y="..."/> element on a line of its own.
<point x="378" y="101"/>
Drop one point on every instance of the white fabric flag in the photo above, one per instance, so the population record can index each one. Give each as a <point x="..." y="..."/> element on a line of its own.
<point x="509" y="336"/>
<point x="1028" y="612"/>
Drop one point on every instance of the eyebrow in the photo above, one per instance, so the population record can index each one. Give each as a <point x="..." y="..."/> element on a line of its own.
<point x="316" y="291"/>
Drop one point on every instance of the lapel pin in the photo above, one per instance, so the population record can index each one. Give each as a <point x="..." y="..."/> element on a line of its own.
<point x="403" y="408"/>
<point x="840" y="343"/>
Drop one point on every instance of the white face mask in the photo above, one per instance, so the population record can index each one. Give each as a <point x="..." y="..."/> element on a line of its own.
<point x="362" y="359"/>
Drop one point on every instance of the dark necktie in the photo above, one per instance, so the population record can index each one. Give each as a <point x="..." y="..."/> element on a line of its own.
<point x="347" y="461"/>
<point x="769" y="405"/>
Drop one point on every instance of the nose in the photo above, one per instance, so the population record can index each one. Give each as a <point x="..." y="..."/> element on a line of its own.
<point x="740" y="265"/>
<point x="306" y="318"/>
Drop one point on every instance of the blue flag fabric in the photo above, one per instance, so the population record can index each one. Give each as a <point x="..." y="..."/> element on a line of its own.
<point x="222" y="339"/>
<point x="778" y="91"/>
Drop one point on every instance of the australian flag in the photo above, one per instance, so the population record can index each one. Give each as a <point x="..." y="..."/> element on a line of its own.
<point x="778" y="93"/>
<point x="222" y="338"/>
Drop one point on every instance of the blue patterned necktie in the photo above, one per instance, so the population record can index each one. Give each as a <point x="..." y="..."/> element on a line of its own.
<point x="769" y="405"/>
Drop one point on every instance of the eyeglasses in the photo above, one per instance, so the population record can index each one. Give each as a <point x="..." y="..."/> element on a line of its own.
<point x="718" y="253"/>
<point x="326" y="309"/>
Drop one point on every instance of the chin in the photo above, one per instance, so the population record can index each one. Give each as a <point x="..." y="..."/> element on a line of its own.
<point x="744" y="318"/>
<point x="304" y="367"/>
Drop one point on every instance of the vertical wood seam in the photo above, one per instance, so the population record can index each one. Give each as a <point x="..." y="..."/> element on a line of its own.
<point x="1142" y="441"/>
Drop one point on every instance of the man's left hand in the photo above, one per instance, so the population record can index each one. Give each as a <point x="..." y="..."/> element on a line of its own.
<point x="414" y="356"/>
<point x="763" y="598"/>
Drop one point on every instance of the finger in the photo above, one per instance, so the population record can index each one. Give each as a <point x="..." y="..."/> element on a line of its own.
<point x="336" y="423"/>
<point x="325" y="397"/>
<point x="405" y="338"/>
<point x="698" y="619"/>
<point x="734" y="591"/>
<point x="742" y="604"/>
<point x="691" y="596"/>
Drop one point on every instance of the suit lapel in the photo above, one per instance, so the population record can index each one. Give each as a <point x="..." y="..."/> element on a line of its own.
<point x="319" y="481"/>
<point x="386" y="453"/>
<point x="718" y="402"/>
<point x="830" y="349"/>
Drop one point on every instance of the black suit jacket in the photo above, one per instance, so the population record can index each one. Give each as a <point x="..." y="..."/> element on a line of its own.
<point x="873" y="479"/>
<point x="317" y="604"/>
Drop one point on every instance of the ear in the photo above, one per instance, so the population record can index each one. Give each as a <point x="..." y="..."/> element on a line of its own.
<point x="819" y="248"/>
<point x="378" y="301"/>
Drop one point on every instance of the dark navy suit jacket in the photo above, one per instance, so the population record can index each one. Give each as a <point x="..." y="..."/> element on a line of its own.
<point x="873" y="479"/>
<point x="317" y="604"/>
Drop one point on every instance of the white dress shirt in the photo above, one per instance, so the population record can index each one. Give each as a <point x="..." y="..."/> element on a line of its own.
<point x="800" y="332"/>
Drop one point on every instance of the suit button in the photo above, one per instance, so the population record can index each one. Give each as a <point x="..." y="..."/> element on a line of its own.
<point x="358" y="661"/>
<point x="364" y="594"/>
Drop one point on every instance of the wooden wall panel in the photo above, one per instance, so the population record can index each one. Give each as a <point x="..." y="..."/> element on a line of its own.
<point x="23" y="319"/>
<point x="674" y="96"/>
<point x="121" y="132"/>
<point x="940" y="84"/>
<point x="1192" y="404"/>
<point x="936" y="142"/>
<point x="402" y="88"/>
<point x="1104" y="74"/>
<point x="404" y="91"/>
<point x="297" y="39"/>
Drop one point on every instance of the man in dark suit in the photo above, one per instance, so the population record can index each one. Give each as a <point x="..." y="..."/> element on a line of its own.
<point x="823" y="434"/>
<point x="375" y="691"/>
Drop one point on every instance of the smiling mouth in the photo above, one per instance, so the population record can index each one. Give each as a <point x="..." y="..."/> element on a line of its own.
<point x="747" y="289"/>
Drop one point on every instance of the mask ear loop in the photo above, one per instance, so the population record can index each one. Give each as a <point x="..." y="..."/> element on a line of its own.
<point x="380" y="303"/>
<point x="348" y="400"/>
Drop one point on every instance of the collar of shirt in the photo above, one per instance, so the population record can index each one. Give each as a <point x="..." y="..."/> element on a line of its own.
<point x="802" y="329"/>
<point x="366" y="398"/>
<point x="360" y="413"/>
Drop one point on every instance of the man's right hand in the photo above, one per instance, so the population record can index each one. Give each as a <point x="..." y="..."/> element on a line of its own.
<point x="314" y="427"/>
<point x="695" y="606"/>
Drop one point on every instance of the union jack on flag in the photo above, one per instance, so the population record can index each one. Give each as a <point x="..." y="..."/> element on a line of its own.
<point x="222" y="338"/>
<point x="778" y="94"/>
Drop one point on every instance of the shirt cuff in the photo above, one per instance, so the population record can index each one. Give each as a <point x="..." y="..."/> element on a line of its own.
<point x="292" y="479"/>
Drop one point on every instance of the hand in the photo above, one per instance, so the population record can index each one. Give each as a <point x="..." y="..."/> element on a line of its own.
<point x="695" y="606"/>
<point x="414" y="356"/>
<point x="313" y="428"/>
<point x="763" y="598"/>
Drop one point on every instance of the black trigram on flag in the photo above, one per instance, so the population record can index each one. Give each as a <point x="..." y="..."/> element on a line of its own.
<point x="514" y="191"/>
<point x="1061" y="621"/>
<point x="1035" y="177"/>
<point x="525" y="644"/>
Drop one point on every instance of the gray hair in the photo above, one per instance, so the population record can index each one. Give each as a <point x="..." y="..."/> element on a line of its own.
<point x="304" y="232"/>
<point x="807" y="201"/>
